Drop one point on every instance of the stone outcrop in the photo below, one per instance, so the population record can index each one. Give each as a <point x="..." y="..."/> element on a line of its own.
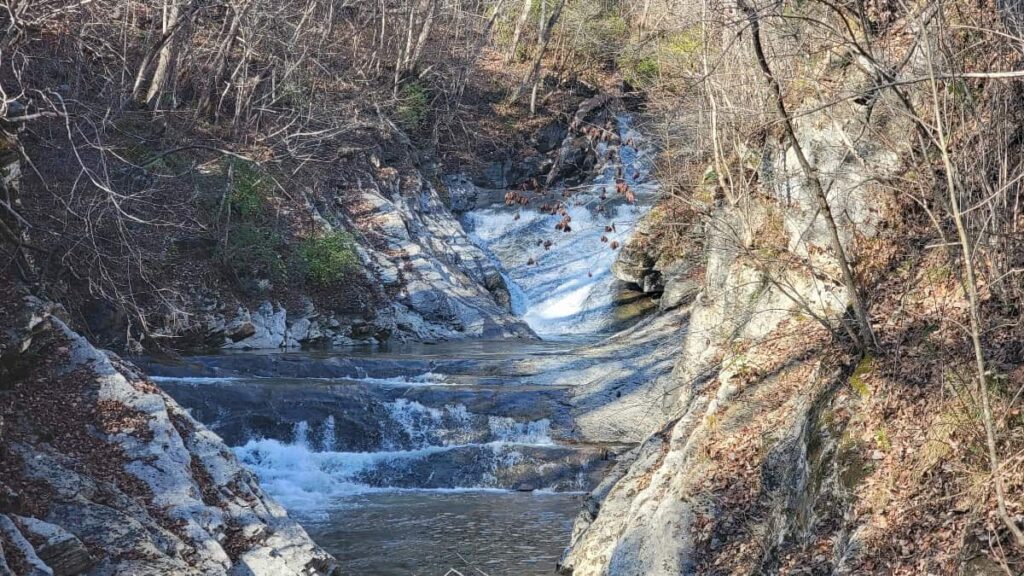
<point x="675" y="504"/>
<point x="105" y="474"/>
<point x="437" y="284"/>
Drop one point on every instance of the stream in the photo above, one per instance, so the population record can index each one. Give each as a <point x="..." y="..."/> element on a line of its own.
<point x="421" y="458"/>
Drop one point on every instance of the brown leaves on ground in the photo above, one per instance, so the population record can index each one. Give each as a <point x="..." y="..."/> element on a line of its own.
<point x="916" y="486"/>
<point x="61" y="409"/>
<point x="770" y="380"/>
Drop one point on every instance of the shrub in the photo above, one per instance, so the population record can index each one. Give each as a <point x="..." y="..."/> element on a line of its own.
<point x="602" y="31"/>
<point x="329" y="259"/>
<point x="253" y="253"/>
<point x="248" y="189"/>
<point x="412" y="105"/>
<point x="640" y="69"/>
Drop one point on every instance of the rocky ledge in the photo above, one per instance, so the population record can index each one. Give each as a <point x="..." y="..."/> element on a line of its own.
<point x="102" y="473"/>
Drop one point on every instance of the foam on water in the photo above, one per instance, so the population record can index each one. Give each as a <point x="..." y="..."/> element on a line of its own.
<point x="421" y="424"/>
<point x="424" y="379"/>
<point x="454" y="425"/>
<point x="194" y="380"/>
<point x="303" y="479"/>
<point x="535" y="432"/>
<point x="305" y="474"/>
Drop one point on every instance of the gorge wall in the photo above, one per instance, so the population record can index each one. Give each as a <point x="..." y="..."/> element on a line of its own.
<point x="778" y="448"/>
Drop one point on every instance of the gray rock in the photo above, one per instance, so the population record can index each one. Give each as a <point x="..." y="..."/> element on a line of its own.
<point x="59" y="549"/>
<point x="449" y="287"/>
<point x="268" y="328"/>
<point x="550" y="135"/>
<point x="298" y="332"/>
<point x="640" y="521"/>
<point x="679" y="286"/>
<point x="35" y="565"/>
<point x="178" y="489"/>
<point x="494" y="175"/>
<point x="574" y="160"/>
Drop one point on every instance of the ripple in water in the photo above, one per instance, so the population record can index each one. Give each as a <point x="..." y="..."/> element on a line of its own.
<point x="428" y="533"/>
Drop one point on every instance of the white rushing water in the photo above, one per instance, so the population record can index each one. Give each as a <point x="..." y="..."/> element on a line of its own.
<point x="569" y="289"/>
<point x="423" y="379"/>
<point x="307" y="472"/>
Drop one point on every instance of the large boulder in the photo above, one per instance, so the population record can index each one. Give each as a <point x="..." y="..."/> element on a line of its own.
<point x="103" y="473"/>
<point x="550" y="136"/>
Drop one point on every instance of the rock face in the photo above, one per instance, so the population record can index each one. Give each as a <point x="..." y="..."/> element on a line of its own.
<point x="105" y="474"/>
<point x="729" y="471"/>
<point x="445" y="285"/>
<point x="675" y="280"/>
<point x="437" y="284"/>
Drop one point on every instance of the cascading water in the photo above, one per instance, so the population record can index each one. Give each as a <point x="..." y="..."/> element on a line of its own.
<point x="428" y="469"/>
<point x="462" y="450"/>
<point x="567" y="286"/>
<point x="426" y="459"/>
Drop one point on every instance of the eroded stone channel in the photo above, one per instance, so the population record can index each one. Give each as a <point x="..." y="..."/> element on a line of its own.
<point x="473" y="455"/>
<point x="409" y="460"/>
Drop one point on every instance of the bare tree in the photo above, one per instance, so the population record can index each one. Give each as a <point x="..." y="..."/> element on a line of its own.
<point x="542" y="46"/>
<point x="970" y="283"/>
<point x="865" y="337"/>
<point x="517" y="34"/>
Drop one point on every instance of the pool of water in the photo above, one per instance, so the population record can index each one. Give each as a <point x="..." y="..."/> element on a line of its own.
<point x="452" y="458"/>
<point x="428" y="533"/>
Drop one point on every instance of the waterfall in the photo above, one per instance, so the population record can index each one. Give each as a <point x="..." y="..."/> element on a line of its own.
<point x="472" y="450"/>
<point x="567" y="287"/>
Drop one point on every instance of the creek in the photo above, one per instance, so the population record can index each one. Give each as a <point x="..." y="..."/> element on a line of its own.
<point x="420" y="458"/>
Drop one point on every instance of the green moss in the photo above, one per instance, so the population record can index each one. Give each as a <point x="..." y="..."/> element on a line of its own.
<point x="684" y="44"/>
<point x="857" y="382"/>
<point x="882" y="440"/>
<point x="937" y="274"/>
<point x="329" y="259"/>
<point x="249" y="189"/>
<point x="413" y="101"/>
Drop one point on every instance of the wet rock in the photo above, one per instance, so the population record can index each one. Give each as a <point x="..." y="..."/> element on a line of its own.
<point x="464" y="195"/>
<point x="494" y="175"/>
<point x="528" y="169"/>
<point x="550" y="136"/>
<point x="574" y="160"/>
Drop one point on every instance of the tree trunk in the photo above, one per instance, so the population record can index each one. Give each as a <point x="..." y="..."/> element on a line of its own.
<point x="866" y="337"/>
<point x="971" y="288"/>
<point x="410" y="63"/>
<point x="477" y="50"/>
<point x="545" y="38"/>
<point x="520" y="23"/>
<point x="165" y="63"/>
<point x="221" y="60"/>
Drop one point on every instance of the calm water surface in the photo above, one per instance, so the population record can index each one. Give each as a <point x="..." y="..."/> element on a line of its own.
<point x="428" y="533"/>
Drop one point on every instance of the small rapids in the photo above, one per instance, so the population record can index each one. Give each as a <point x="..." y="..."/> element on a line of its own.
<point x="427" y="458"/>
<point x="442" y="449"/>
<point x="569" y="288"/>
